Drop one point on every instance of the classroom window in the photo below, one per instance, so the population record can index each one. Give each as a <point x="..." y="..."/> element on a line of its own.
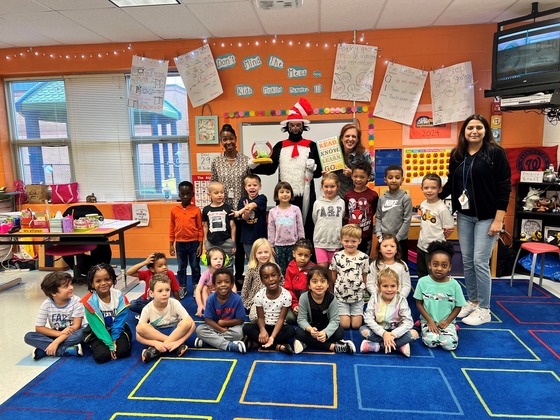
<point x="80" y="128"/>
<point x="160" y="142"/>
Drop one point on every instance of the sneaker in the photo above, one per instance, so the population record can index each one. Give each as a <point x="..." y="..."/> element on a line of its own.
<point x="285" y="348"/>
<point x="299" y="346"/>
<point x="237" y="346"/>
<point x="150" y="354"/>
<point x="198" y="343"/>
<point x="369" y="347"/>
<point x="405" y="350"/>
<point x="182" y="292"/>
<point x="38" y="354"/>
<point x="477" y="317"/>
<point x="75" y="351"/>
<point x="467" y="309"/>
<point x="179" y="351"/>
<point x="345" y="346"/>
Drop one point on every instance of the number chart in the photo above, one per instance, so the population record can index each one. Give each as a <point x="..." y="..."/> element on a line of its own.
<point x="419" y="162"/>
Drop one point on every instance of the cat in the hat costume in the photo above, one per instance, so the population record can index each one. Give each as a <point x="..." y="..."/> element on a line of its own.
<point x="298" y="160"/>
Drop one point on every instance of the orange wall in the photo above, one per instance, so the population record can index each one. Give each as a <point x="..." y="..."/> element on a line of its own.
<point x="427" y="48"/>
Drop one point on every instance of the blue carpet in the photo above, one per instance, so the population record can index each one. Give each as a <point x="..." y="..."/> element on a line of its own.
<point x="507" y="368"/>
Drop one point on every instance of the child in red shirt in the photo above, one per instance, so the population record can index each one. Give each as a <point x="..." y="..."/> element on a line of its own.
<point x="296" y="275"/>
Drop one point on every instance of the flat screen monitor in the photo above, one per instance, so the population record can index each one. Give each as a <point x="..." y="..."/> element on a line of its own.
<point x="527" y="55"/>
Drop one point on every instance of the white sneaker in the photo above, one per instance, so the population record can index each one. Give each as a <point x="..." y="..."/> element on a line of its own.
<point x="298" y="346"/>
<point x="467" y="309"/>
<point x="477" y="317"/>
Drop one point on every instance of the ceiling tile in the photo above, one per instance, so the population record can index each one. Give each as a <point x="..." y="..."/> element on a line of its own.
<point x="15" y="35"/>
<point x="19" y="6"/>
<point x="228" y="19"/>
<point x="336" y="16"/>
<point x="470" y="12"/>
<point x="77" y="4"/>
<point x="523" y="8"/>
<point x="56" y="26"/>
<point x="115" y="25"/>
<point x="417" y="13"/>
<point x="170" y="22"/>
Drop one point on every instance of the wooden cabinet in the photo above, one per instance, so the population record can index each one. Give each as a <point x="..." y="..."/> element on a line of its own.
<point x="530" y="224"/>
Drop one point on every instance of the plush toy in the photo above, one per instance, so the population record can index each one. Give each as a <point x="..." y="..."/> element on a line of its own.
<point x="543" y="204"/>
<point x="532" y="197"/>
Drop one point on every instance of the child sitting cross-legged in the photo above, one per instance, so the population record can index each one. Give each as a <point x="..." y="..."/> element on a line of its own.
<point x="164" y="323"/>
<point x="318" y="321"/>
<point x="60" y="322"/>
<point x="388" y="320"/>
<point x="223" y="316"/>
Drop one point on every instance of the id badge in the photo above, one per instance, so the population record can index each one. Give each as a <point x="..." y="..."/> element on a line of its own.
<point x="464" y="201"/>
<point x="230" y="193"/>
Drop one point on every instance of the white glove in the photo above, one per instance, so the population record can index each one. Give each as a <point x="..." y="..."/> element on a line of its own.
<point x="253" y="165"/>
<point x="310" y="165"/>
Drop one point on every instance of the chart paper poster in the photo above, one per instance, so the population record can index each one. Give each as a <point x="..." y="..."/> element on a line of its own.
<point x="200" y="75"/>
<point x="147" y="84"/>
<point x="353" y="72"/>
<point x="452" y="93"/>
<point x="330" y="154"/>
<point x="400" y="93"/>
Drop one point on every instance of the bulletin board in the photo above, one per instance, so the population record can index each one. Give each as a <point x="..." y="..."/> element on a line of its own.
<point x="272" y="132"/>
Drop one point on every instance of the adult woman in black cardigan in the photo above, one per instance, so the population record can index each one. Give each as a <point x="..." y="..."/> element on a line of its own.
<point x="479" y="183"/>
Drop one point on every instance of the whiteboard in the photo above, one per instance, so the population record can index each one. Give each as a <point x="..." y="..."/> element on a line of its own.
<point x="272" y="132"/>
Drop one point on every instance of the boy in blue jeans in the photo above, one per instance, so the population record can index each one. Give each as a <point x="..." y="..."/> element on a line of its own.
<point x="185" y="237"/>
<point x="60" y="322"/>
<point x="224" y="316"/>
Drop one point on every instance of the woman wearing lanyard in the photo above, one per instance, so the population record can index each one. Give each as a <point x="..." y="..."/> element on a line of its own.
<point x="479" y="184"/>
<point x="230" y="169"/>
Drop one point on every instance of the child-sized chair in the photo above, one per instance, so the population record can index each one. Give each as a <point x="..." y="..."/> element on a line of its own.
<point x="535" y="248"/>
<point x="64" y="250"/>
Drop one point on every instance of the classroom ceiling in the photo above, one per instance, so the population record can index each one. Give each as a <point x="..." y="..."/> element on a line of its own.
<point x="31" y="23"/>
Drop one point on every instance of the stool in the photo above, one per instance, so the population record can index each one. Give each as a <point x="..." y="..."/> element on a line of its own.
<point x="535" y="248"/>
<point x="70" y="250"/>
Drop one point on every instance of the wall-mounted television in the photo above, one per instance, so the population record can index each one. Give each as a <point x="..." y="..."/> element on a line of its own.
<point x="526" y="59"/>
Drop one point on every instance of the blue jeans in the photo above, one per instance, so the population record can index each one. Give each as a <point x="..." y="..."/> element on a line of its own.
<point x="42" y="341"/>
<point x="476" y="250"/>
<point x="186" y="254"/>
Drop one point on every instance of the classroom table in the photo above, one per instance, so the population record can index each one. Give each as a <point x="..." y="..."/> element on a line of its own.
<point x="100" y="236"/>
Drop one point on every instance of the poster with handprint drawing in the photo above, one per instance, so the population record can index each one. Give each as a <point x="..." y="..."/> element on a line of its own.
<point x="353" y="72"/>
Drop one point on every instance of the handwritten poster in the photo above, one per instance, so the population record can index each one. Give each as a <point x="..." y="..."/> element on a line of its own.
<point x="353" y="72"/>
<point x="452" y="93"/>
<point x="200" y="75"/>
<point x="400" y="93"/>
<point x="141" y="212"/>
<point x="330" y="154"/>
<point x="204" y="161"/>
<point x="147" y="84"/>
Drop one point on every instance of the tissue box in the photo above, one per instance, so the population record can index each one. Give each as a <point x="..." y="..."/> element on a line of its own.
<point x="68" y="224"/>
<point x="56" y="225"/>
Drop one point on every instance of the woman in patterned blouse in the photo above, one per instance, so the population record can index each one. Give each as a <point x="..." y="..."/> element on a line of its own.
<point x="230" y="169"/>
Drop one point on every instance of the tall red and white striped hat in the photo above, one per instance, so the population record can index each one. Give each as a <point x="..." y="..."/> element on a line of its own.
<point x="301" y="109"/>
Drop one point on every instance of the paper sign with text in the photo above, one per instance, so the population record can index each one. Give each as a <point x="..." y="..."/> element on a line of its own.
<point x="330" y="154"/>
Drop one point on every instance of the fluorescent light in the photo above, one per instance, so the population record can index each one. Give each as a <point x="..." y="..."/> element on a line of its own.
<point x="136" y="3"/>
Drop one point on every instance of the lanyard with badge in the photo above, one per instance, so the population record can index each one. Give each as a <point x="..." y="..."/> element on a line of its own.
<point x="464" y="197"/>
